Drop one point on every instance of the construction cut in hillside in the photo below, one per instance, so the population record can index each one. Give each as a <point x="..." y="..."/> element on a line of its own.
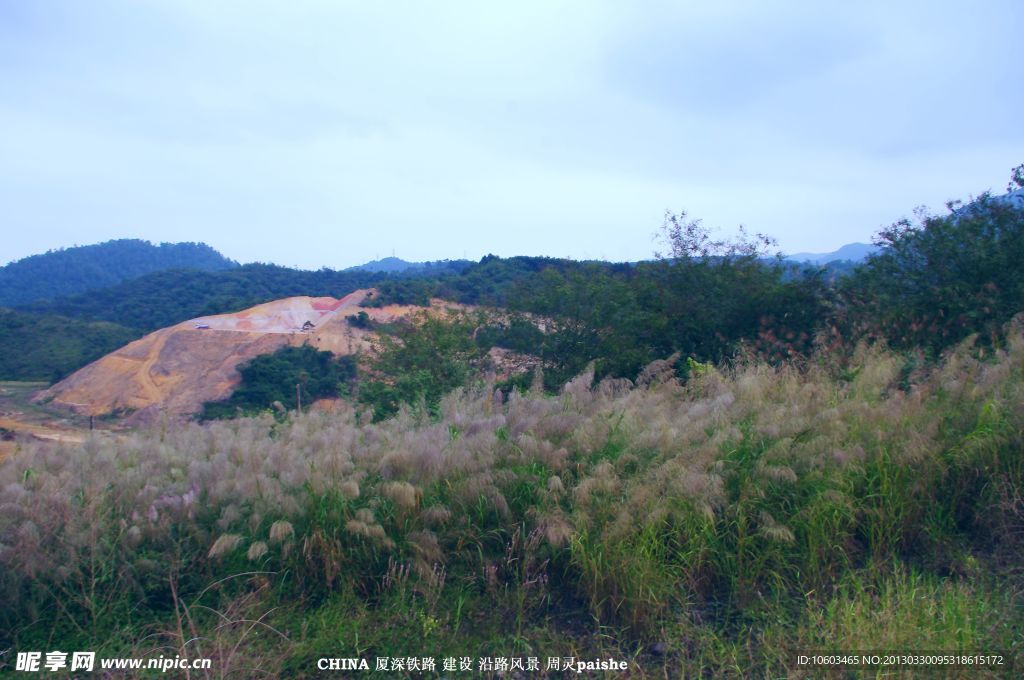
<point x="173" y="371"/>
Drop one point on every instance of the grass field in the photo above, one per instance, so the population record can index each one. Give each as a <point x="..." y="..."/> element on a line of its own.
<point x="718" y="528"/>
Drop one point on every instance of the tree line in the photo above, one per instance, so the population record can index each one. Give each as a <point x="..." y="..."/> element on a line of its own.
<point x="935" y="282"/>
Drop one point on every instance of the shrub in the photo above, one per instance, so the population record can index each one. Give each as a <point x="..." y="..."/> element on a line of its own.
<point x="283" y="377"/>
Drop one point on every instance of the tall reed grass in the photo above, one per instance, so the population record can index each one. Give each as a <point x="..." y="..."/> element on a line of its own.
<point x="613" y="513"/>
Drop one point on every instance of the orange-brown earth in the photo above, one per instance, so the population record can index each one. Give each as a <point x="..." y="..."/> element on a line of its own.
<point x="172" y="371"/>
<point x="21" y="421"/>
<point x="43" y="432"/>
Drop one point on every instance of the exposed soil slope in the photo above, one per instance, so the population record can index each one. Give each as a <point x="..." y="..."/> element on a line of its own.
<point x="172" y="371"/>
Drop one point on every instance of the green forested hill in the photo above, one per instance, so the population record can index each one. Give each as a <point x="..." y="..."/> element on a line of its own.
<point x="164" y="298"/>
<point x="623" y="316"/>
<point x="52" y="338"/>
<point x="83" y="268"/>
<point x="933" y="284"/>
<point x="48" y="347"/>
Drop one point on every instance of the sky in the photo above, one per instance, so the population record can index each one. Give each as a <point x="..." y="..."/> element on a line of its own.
<point x="326" y="134"/>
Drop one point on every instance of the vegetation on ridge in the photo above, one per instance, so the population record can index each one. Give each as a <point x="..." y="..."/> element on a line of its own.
<point x="282" y="379"/>
<point x="942" y="279"/>
<point x="48" y="347"/>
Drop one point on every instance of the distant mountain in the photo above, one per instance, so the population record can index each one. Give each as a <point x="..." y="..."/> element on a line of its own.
<point x="1013" y="199"/>
<point x="75" y="270"/>
<point x="855" y="252"/>
<point x="388" y="264"/>
<point x="396" y="265"/>
<point x="858" y="252"/>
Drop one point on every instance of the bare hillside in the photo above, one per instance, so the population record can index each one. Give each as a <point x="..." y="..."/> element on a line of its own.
<point x="174" y="370"/>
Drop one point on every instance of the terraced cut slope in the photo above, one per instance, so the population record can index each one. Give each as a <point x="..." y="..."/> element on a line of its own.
<point x="172" y="371"/>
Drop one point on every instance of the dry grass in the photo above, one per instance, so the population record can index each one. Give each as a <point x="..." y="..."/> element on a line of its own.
<point x="644" y="506"/>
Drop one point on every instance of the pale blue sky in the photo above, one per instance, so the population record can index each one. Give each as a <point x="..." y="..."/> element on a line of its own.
<point x="330" y="133"/>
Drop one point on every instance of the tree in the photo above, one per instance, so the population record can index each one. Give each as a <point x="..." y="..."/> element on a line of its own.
<point x="421" y="362"/>
<point x="940" y="279"/>
<point x="273" y="378"/>
<point x="716" y="293"/>
<point x="1016" y="178"/>
<point x="689" y="239"/>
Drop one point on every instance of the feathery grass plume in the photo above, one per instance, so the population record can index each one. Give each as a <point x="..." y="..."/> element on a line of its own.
<point x="403" y="494"/>
<point x="435" y="515"/>
<point x="543" y="451"/>
<point x="474" y="425"/>
<point x="611" y="389"/>
<point x="223" y="545"/>
<point x="876" y="375"/>
<point x="602" y="481"/>
<point x="256" y="550"/>
<point x="256" y="517"/>
<point x="280" y="531"/>
<point x="357" y="527"/>
<point x="557" y="530"/>
<point x="696" y="486"/>
<point x="776" y="473"/>
<point x="425" y="545"/>
<point x="853" y="454"/>
<point x="658" y="372"/>
<point x="578" y="389"/>
<point x="349" y="488"/>
<point x="133" y="537"/>
<point x="775" y="531"/>
<point x="363" y="525"/>
<point x="555" y="485"/>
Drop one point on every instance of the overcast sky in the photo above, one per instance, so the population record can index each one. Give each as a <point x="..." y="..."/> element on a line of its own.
<point x="331" y="133"/>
